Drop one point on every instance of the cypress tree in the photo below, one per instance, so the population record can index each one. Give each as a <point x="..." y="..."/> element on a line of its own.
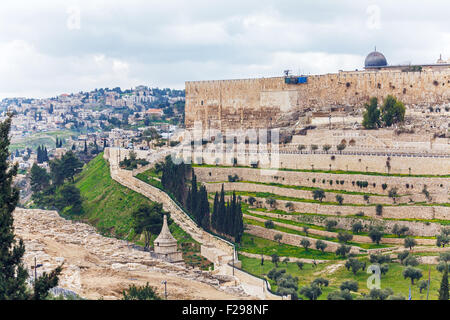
<point x="221" y="212"/>
<point x="189" y="201"/>
<point x="443" y="290"/>
<point x="204" y="208"/>
<point x="85" y="147"/>
<point x="39" y="154"/>
<point x="215" y="211"/>
<point x="231" y="215"/>
<point x="239" y="223"/>
<point x="194" y="195"/>
<point x="12" y="272"/>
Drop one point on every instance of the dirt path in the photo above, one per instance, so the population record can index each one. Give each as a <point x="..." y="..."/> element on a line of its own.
<point x="97" y="267"/>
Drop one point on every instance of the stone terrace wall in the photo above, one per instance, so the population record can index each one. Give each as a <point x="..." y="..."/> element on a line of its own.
<point x="415" y="228"/>
<point x="259" y="103"/>
<point x="399" y="212"/>
<point x="363" y="163"/>
<point x="304" y="194"/>
<point x="293" y="239"/>
<point x="217" y="174"/>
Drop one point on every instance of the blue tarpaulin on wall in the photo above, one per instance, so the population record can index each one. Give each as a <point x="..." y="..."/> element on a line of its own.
<point x="295" y="80"/>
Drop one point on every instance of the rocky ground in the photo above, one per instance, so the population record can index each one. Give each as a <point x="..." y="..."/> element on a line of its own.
<point x="97" y="267"/>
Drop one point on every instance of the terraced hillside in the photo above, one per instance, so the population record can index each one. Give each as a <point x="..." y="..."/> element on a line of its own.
<point x="108" y="206"/>
<point x="284" y="215"/>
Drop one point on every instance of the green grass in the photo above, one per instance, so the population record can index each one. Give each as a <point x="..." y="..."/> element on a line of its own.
<point x="316" y="227"/>
<point x="268" y="247"/>
<point x="150" y="174"/>
<point x="315" y="236"/>
<point x="108" y="205"/>
<point x="332" y="171"/>
<point x="393" y="279"/>
<point x="150" y="179"/>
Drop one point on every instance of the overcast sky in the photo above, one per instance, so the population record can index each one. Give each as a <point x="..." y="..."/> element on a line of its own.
<point x="53" y="47"/>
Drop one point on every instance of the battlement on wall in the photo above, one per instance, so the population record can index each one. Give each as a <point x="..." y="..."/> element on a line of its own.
<point x="262" y="102"/>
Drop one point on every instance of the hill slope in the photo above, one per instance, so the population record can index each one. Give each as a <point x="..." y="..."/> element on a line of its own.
<point x="108" y="205"/>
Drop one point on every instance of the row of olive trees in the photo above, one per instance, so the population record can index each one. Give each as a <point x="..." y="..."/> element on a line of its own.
<point x="326" y="147"/>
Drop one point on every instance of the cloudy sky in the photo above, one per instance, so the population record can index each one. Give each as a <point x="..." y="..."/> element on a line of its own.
<point x="52" y="47"/>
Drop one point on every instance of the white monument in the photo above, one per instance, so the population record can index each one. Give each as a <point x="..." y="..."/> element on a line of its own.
<point x="165" y="245"/>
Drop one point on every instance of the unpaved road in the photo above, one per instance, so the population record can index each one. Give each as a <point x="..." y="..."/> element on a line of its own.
<point x="96" y="267"/>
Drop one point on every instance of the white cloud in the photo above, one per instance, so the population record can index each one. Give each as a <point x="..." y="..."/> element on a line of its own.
<point x="47" y="48"/>
<point x="373" y="17"/>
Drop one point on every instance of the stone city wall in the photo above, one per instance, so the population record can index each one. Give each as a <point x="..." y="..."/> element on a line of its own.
<point x="260" y="103"/>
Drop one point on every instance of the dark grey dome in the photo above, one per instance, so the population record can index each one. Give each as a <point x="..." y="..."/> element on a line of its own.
<point x="375" y="59"/>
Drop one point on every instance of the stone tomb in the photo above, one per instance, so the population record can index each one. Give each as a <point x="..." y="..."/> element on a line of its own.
<point x="165" y="245"/>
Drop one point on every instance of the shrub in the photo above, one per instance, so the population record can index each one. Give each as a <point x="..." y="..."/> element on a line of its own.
<point x="357" y="227"/>
<point x="410" y="243"/>
<point x="305" y="243"/>
<point x="269" y="224"/>
<point x="321" y="245"/>
<point x="379" y="209"/>
<point x="375" y="234"/>
<point x="344" y="237"/>
<point x="349" y="285"/>
<point x="330" y="224"/>
<point x="140" y="293"/>
<point x="343" y="250"/>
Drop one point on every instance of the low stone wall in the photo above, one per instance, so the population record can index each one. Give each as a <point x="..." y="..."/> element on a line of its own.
<point x="296" y="178"/>
<point x="253" y="285"/>
<point x="291" y="259"/>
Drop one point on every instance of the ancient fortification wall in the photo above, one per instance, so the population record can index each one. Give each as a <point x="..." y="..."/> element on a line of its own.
<point x="259" y="103"/>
